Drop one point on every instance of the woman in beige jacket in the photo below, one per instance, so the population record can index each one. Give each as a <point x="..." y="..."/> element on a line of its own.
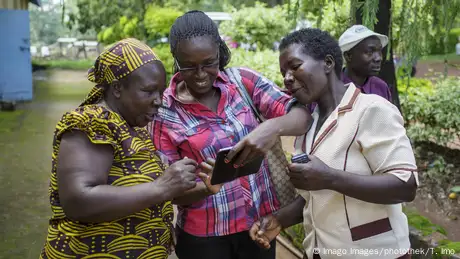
<point x="361" y="166"/>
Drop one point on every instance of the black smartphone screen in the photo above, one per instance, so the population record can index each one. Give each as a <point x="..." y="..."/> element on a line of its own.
<point x="224" y="172"/>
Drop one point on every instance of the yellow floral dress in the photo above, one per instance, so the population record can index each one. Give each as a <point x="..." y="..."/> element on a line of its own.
<point x="146" y="234"/>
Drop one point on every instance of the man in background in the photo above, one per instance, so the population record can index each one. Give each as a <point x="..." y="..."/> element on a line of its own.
<point x="362" y="51"/>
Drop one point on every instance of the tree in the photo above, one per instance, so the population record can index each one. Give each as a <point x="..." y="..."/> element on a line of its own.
<point x="380" y="11"/>
<point x="257" y="25"/>
<point x="45" y="24"/>
<point x="158" y="21"/>
<point x="100" y="14"/>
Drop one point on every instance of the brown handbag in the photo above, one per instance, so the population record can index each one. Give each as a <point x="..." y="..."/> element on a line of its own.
<point x="277" y="162"/>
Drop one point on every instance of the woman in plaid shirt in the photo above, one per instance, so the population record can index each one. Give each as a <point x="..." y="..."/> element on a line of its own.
<point x="203" y="112"/>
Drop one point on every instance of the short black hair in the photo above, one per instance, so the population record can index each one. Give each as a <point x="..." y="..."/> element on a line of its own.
<point x="195" y="24"/>
<point x="317" y="44"/>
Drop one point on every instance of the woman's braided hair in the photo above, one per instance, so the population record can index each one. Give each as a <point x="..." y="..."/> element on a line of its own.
<point x="195" y="24"/>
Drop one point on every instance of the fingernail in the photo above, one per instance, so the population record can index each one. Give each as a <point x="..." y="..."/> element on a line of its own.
<point x="226" y="161"/>
<point x="241" y="165"/>
<point x="236" y="166"/>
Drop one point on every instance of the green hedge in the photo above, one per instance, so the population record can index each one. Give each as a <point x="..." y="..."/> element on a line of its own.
<point x="83" y="64"/>
<point x="265" y="62"/>
<point x="158" y="21"/>
<point x="163" y="52"/>
<point x="414" y="87"/>
<point x="431" y="112"/>
<point x="260" y="25"/>
<point x="124" y="28"/>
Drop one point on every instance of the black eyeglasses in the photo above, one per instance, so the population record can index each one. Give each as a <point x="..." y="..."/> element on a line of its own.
<point x="212" y="65"/>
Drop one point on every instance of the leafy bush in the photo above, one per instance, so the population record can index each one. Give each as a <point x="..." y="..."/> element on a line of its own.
<point x="259" y="24"/>
<point x="433" y="115"/>
<point x="163" y="52"/>
<point x="439" y="171"/>
<point x="124" y="28"/>
<point x="109" y="35"/>
<point x="265" y="62"/>
<point x="414" y="87"/>
<point x="158" y="21"/>
<point x="334" y="17"/>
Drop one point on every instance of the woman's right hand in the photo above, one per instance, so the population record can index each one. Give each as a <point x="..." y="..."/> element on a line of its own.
<point x="179" y="177"/>
<point x="265" y="230"/>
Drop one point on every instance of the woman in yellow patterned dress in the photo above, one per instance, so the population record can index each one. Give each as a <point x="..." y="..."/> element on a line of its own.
<point x="110" y="192"/>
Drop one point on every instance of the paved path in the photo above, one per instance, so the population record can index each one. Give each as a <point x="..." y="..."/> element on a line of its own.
<point x="25" y="163"/>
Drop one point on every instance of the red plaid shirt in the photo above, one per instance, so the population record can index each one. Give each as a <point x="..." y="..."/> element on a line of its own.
<point x="194" y="131"/>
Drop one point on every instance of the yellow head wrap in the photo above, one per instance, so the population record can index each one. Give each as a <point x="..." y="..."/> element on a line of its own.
<point x="115" y="63"/>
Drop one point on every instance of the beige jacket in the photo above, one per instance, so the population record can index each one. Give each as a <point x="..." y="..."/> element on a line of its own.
<point x="364" y="135"/>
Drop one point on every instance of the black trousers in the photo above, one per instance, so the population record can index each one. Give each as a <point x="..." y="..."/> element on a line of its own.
<point x="236" y="246"/>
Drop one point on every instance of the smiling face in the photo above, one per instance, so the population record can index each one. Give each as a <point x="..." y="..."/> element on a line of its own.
<point x="305" y="77"/>
<point x="140" y="94"/>
<point x="365" y="58"/>
<point x="198" y="60"/>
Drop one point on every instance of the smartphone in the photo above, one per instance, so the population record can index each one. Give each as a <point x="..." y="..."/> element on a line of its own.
<point x="224" y="172"/>
<point x="300" y="159"/>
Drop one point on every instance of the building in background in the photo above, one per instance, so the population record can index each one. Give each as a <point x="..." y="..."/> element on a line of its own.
<point x="15" y="55"/>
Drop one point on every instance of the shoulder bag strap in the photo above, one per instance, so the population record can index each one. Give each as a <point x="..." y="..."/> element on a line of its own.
<point x="235" y="77"/>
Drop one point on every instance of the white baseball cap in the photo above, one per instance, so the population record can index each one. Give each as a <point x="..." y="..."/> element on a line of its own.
<point x="355" y="34"/>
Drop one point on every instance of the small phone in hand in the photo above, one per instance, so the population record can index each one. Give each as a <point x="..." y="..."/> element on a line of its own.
<point x="300" y="159"/>
<point x="225" y="172"/>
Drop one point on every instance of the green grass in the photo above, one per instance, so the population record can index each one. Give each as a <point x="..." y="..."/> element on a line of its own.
<point x="422" y="223"/>
<point x="9" y="120"/>
<point x="440" y="58"/>
<point x="446" y="247"/>
<point x="25" y="162"/>
<point x="295" y="234"/>
<point x="83" y="64"/>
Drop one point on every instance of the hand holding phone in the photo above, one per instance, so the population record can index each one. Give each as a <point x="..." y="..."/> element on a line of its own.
<point x="309" y="173"/>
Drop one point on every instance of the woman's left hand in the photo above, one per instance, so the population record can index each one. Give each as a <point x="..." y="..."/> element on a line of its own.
<point x="255" y="144"/>
<point x="311" y="176"/>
